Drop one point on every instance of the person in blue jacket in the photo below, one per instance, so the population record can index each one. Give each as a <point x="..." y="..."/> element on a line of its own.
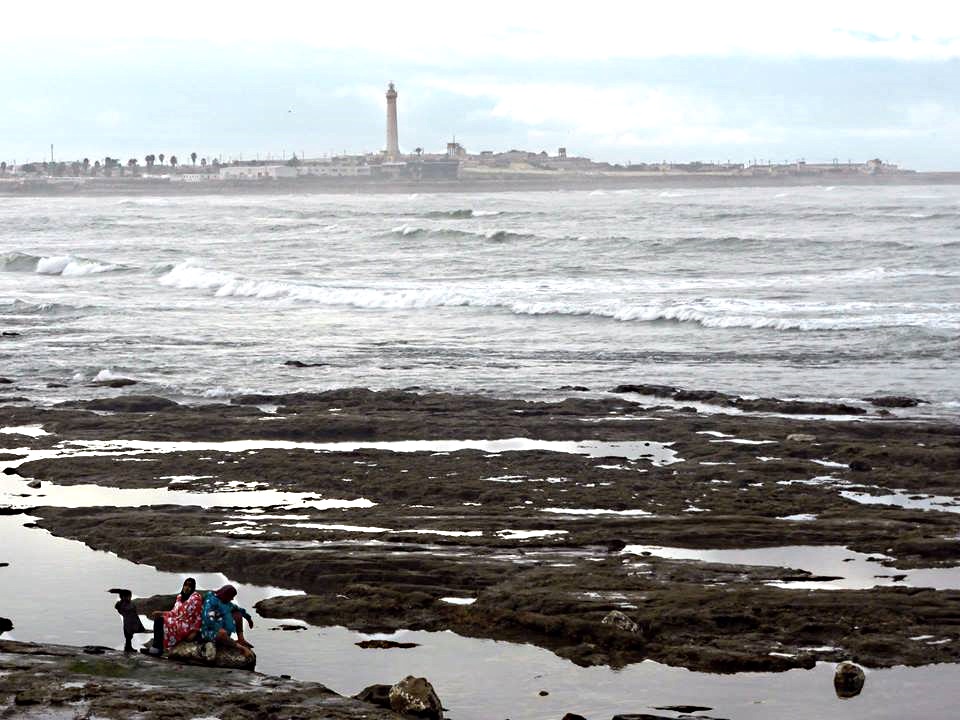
<point x="221" y="618"/>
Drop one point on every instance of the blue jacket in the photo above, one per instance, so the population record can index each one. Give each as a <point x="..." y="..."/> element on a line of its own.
<point x="217" y="615"/>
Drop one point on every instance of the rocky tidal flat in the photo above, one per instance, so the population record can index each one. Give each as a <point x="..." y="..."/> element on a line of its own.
<point x="584" y="527"/>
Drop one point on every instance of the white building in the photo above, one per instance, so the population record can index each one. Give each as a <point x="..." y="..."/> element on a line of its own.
<point x="194" y="177"/>
<point x="257" y="172"/>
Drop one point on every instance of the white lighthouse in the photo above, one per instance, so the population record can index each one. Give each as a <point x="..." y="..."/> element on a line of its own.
<point x="393" y="143"/>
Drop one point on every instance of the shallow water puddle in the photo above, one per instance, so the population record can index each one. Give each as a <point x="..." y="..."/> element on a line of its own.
<point x="477" y="679"/>
<point x="855" y="570"/>
<point x="906" y="499"/>
<point x="655" y="452"/>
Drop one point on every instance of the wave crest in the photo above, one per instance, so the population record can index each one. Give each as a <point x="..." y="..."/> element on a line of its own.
<point x="63" y="265"/>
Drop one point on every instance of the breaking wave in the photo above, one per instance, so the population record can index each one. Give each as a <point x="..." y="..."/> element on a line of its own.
<point x="708" y="313"/>
<point x="63" y="265"/>
<point x="413" y="231"/>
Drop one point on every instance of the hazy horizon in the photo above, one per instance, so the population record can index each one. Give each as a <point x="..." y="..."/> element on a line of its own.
<point x="618" y="83"/>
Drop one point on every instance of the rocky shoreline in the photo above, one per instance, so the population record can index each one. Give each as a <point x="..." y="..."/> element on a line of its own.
<point x="53" y="681"/>
<point x="542" y="543"/>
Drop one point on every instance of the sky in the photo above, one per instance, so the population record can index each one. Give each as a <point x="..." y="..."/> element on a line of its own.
<point x="618" y="81"/>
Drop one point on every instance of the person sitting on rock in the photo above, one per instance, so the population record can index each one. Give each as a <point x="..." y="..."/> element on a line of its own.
<point x="222" y="618"/>
<point x="180" y="623"/>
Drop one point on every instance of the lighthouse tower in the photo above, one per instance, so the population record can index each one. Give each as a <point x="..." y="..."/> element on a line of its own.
<point x="393" y="146"/>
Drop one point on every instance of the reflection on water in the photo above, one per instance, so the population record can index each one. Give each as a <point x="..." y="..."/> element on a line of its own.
<point x="856" y="571"/>
<point x="55" y="591"/>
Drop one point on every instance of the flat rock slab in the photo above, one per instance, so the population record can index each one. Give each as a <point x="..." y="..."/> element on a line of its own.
<point x="48" y="680"/>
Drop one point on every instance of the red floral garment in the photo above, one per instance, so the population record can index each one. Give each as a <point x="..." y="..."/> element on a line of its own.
<point x="182" y="620"/>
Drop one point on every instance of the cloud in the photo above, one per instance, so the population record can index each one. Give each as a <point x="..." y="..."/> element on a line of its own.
<point x="434" y="31"/>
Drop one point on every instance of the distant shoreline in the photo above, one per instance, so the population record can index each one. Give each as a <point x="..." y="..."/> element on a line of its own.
<point x="143" y="187"/>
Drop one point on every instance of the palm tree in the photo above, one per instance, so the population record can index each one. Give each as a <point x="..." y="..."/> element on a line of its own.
<point x="3" y="167"/>
<point x="86" y="166"/>
<point x="173" y="161"/>
<point x="96" y="167"/>
<point x="193" y="158"/>
<point x="203" y="162"/>
<point x="161" y="156"/>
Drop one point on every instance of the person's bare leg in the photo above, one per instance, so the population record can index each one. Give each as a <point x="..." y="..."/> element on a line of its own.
<point x="224" y="639"/>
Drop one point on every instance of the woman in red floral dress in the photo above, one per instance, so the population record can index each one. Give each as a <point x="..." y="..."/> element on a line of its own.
<point x="180" y="623"/>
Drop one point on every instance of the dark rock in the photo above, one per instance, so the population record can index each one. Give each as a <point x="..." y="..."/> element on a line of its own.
<point x="684" y="708"/>
<point x="385" y="644"/>
<point x="5" y="625"/>
<point x="573" y="716"/>
<point x="378" y="695"/>
<point x="620" y="620"/>
<point x="416" y="696"/>
<point x="191" y="653"/>
<point x="848" y="680"/>
<point x="655" y="390"/>
<point x="114" y="383"/>
<point x="615" y="545"/>
<point x="96" y="649"/>
<point x="301" y="364"/>
<point x="124" y="403"/>
<point x="543" y="693"/>
<point x="289" y="628"/>
<point x="33" y="484"/>
<point x="573" y="388"/>
<point x="9" y="333"/>
<point x="860" y="466"/>
<point x="4" y="564"/>
<point x="5" y="381"/>
<point x="894" y="401"/>
<point x="11" y="471"/>
<point x="57" y="385"/>
<point x="12" y="511"/>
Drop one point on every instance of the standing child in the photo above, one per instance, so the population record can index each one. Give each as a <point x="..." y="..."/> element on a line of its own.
<point x="131" y="618"/>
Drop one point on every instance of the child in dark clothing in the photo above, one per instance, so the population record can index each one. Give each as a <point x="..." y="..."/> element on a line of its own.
<point x="131" y="618"/>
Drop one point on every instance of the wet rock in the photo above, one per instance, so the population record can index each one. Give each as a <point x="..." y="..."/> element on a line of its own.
<point x="416" y="697"/>
<point x="378" y="695"/>
<point x="894" y="401"/>
<point x="9" y="333"/>
<point x="33" y="484"/>
<point x="6" y="625"/>
<point x="125" y="403"/>
<point x="684" y="708"/>
<point x="573" y="716"/>
<point x="801" y="438"/>
<point x="655" y="390"/>
<point x="57" y="385"/>
<point x="848" y="680"/>
<point x="301" y="364"/>
<point x="385" y="644"/>
<point x="191" y="653"/>
<point x="543" y="693"/>
<point x="620" y="620"/>
<point x="573" y="388"/>
<point x="860" y="466"/>
<point x="11" y="471"/>
<point x="5" y="381"/>
<point x="114" y="383"/>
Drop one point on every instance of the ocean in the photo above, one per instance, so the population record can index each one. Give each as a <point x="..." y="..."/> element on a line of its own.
<point x="813" y="292"/>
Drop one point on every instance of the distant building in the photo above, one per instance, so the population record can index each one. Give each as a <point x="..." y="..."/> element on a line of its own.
<point x="257" y="172"/>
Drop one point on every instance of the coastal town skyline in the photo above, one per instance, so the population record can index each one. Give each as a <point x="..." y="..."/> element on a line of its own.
<point x="647" y="88"/>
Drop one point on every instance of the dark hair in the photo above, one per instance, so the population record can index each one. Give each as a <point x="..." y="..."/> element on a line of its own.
<point x="191" y="582"/>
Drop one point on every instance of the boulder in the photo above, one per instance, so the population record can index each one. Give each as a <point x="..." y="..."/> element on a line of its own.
<point x="378" y="695"/>
<point x="191" y="653"/>
<point x="848" y="679"/>
<point x="416" y="697"/>
<point x="621" y="621"/>
<point x="573" y="716"/>
<point x="894" y="401"/>
<point x="860" y="466"/>
<point x="33" y="484"/>
<point x="5" y="381"/>
<point x="5" y="625"/>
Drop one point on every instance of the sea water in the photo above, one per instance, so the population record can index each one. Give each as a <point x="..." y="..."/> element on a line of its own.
<point x="795" y="292"/>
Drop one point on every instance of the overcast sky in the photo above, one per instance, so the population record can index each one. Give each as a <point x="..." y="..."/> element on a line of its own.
<point x="619" y="81"/>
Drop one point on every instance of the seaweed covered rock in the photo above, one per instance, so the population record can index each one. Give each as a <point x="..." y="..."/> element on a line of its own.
<point x="416" y="697"/>
<point x="848" y="680"/>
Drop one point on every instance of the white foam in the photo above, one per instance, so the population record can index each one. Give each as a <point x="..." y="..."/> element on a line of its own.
<point x="528" y="534"/>
<point x="458" y="600"/>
